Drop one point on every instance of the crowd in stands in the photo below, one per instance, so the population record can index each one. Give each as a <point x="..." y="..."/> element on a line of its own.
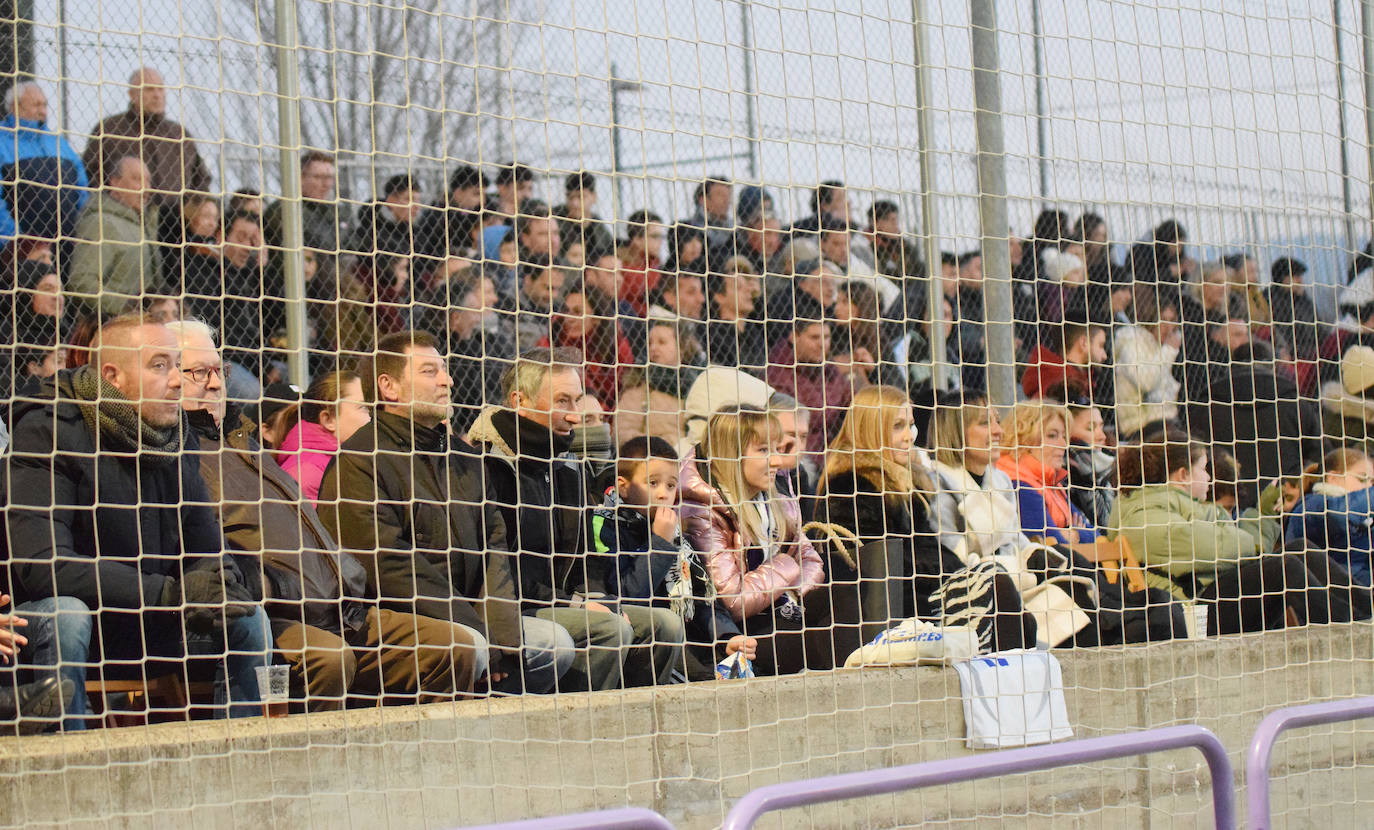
<point x="534" y="457"/>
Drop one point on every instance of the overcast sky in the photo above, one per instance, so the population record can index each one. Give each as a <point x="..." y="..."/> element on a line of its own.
<point x="1227" y="118"/>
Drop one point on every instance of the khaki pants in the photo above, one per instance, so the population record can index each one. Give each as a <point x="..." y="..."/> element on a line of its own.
<point x="405" y="654"/>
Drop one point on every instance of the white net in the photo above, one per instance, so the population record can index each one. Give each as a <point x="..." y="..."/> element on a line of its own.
<point x="431" y="414"/>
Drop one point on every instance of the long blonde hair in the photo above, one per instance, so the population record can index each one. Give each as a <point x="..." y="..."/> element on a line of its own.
<point x="1024" y="428"/>
<point x="859" y="445"/>
<point x="727" y="435"/>
<point x="955" y="412"/>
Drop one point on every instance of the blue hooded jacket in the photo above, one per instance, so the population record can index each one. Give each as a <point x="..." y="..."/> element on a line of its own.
<point x="52" y="169"/>
<point x="1338" y="522"/>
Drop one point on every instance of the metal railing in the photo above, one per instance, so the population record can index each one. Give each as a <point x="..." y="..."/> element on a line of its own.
<point x="1275" y="724"/>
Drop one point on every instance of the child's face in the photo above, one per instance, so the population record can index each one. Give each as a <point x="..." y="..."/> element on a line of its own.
<point x="654" y="484"/>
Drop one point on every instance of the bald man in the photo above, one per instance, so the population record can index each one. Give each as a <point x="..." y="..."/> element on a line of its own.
<point x="145" y="132"/>
<point x="110" y="523"/>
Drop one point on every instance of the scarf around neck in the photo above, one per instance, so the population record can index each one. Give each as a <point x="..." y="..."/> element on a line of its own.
<point x="115" y="421"/>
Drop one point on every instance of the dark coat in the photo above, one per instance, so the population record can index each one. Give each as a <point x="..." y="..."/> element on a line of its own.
<point x="154" y="519"/>
<point x="415" y="512"/>
<point x="306" y="579"/>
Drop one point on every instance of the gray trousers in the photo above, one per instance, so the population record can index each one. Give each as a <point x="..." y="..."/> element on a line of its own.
<point x="613" y="652"/>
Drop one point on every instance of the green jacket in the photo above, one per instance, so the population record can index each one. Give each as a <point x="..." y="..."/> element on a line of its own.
<point x="1173" y="532"/>
<point x="116" y="259"/>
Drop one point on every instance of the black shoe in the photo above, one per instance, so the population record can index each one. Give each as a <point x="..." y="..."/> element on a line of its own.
<point x="36" y="705"/>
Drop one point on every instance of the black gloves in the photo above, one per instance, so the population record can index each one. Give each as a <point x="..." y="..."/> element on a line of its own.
<point x="211" y="596"/>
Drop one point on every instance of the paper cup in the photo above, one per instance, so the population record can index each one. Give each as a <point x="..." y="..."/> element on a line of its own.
<point x="1196" y="621"/>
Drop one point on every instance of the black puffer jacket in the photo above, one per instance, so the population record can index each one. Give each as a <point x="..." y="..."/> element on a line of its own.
<point x="154" y="519"/>
<point x="307" y="580"/>
<point x="415" y="512"/>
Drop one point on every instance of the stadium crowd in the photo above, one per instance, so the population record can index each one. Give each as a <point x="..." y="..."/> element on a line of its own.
<point x="536" y="458"/>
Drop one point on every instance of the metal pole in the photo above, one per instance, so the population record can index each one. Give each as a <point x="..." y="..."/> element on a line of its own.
<point x="289" y="137"/>
<point x="751" y="117"/>
<point x="1367" y="41"/>
<point x="1347" y="196"/>
<point x="1042" y="123"/>
<point x="616" y="192"/>
<point x="930" y="227"/>
<point x="992" y="204"/>
<point x="62" y="64"/>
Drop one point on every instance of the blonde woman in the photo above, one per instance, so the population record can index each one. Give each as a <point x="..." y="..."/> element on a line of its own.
<point x="750" y="536"/>
<point x="1034" y="456"/>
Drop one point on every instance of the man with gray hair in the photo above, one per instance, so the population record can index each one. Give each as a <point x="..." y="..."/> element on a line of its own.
<point x="116" y="259"/>
<point x="543" y="495"/>
<point x="44" y="179"/>
<point x="145" y="132"/>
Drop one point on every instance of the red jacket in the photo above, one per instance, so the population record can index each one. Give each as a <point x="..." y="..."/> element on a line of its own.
<point x="1048" y="369"/>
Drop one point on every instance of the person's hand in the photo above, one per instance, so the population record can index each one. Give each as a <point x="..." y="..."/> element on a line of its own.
<point x="862" y="359"/>
<point x="746" y="646"/>
<point x="1175" y="339"/>
<point x="10" y="640"/>
<point x="665" y="522"/>
<point x="596" y="606"/>
<point x="495" y="677"/>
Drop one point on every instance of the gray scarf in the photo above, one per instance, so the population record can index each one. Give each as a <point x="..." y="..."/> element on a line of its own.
<point x="115" y="420"/>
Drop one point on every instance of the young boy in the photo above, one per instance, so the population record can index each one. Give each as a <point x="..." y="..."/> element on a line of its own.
<point x="638" y="525"/>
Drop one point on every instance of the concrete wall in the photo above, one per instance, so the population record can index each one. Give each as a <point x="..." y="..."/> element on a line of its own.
<point x="689" y="751"/>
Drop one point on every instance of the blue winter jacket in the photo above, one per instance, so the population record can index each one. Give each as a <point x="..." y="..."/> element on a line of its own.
<point x="1338" y="522"/>
<point x="55" y="179"/>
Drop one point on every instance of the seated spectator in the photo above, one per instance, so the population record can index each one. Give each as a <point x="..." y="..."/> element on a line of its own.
<point x="1034" y="458"/>
<point x="148" y="564"/>
<point x="481" y="347"/>
<point x="45" y="180"/>
<point x="537" y="233"/>
<point x="802" y="367"/>
<point x="542" y="495"/>
<point x="448" y="228"/>
<point x="586" y="324"/>
<point x="813" y="291"/>
<point x="874" y="486"/>
<point x="761" y="564"/>
<point x="1296" y="321"/>
<point x="514" y="186"/>
<point x="329" y="412"/>
<point x="390" y="224"/>
<point x="829" y="200"/>
<point x="316" y="597"/>
<point x="540" y="285"/>
<point x="638" y="524"/>
<point x="758" y="237"/>
<point x="246" y="200"/>
<point x="1334" y="514"/>
<point x="651" y="402"/>
<point x="115" y="260"/>
<point x="913" y="350"/>
<point x="1208" y="556"/>
<point x="231" y="297"/>
<point x="973" y="513"/>
<point x="416" y="512"/>
<point x="500" y="261"/>
<point x="1258" y="416"/>
<point x="1067" y="356"/>
<point x="339" y="311"/>
<point x="641" y="259"/>
<point x="145" y="132"/>
<point x="578" y="223"/>
<point x="863" y="342"/>
<point x="191" y="234"/>
<point x="323" y="224"/>
<point x="1146" y="391"/>
<point x="1348" y="403"/>
<point x="687" y="253"/>
<point x="31" y="707"/>
<point x="712" y="216"/>
<point x="1244" y="276"/>
<point x="719" y="388"/>
<point x="1092" y="468"/>
<point x="898" y="258"/>
<point x="733" y="338"/>
<point x="1063" y="291"/>
<point x="678" y="296"/>
<point x="38" y="304"/>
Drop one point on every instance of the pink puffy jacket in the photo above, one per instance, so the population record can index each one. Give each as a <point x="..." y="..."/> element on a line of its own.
<point x="712" y="528"/>
<point x="305" y="453"/>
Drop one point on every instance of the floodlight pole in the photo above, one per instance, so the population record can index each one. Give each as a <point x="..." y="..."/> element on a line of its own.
<point x="930" y="227"/>
<point x="293" y="238"/>
<point x="992" y="204"/>
<point x="1347" y="185"/>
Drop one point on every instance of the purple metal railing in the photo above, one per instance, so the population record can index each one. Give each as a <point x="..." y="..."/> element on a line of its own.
<point x="1007" y="762"/>
<point x="622" y="818"/>
<point x="1277" y="722"/>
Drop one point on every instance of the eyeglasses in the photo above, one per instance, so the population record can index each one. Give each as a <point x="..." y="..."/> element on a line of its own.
<point x="201" y="374"/>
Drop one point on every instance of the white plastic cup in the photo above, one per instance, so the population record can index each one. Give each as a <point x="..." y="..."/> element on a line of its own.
<point x="1197" y="621"/>
<point x="274" y="688"/>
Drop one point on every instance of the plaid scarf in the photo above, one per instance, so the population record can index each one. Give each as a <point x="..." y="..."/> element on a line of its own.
<point x="115" y="421"/>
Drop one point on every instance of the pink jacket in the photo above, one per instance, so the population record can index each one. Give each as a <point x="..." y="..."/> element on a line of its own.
<point x="712" y="528"/>
<point x="305" y="453"/>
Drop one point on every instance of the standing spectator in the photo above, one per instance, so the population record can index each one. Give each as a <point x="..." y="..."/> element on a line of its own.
<point x="763" y="566"/>
<point x="323" y="225"/>
<point x="641" y="258"/>
<point x="801" y="367"/>
<point x="145" y="132"/>
<point x="389" y="225"/>
<point x="329" y="412"/>
<point x="577" y="223"/>
<point x="448" y="228"/>
<point x="543" y="495"/>
<point x="416" y="511"/>
<point x="828" y="201"/>
<point x="108" y="516"/>
<point x="514" y="187"/>
<point x="712" y="198"/>
<point x="45" y="181"/>
<point x="116" y="259"/>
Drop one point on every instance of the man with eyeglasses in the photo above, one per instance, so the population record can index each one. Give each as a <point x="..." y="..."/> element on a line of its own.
<point x="111" y="533"/>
